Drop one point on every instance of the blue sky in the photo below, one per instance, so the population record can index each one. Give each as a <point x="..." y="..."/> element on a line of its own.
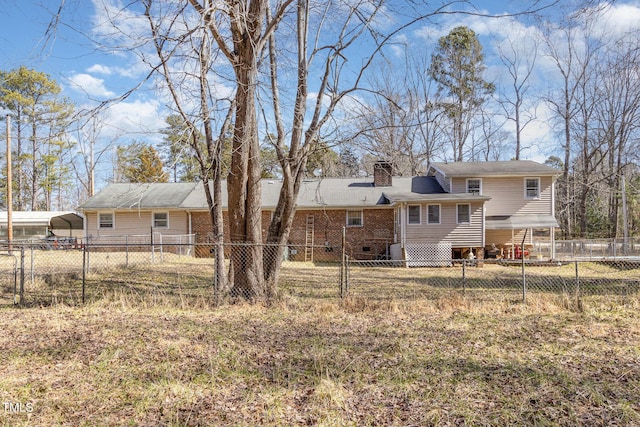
<point x="88" y="75"/>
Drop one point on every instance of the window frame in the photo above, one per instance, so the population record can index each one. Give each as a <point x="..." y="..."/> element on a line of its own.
<point x="479" y="185"/>
<point x="429" y="222"/>
<point x="458" y="206"/>
<point x="348" y="217"/>
<point x="113" y="221"/>
<point x="154" y="221"/>
<point x="409" y="222"/>
<point x="526" y="188"/>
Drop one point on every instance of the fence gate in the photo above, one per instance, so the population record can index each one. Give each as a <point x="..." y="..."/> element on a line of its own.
<point x="9" y="286"/>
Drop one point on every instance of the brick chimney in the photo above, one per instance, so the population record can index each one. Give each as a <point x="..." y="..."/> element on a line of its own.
<point x="382" y="173"/>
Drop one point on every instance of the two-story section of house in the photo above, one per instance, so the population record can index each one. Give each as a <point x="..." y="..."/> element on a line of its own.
<point x="519" y="201"/>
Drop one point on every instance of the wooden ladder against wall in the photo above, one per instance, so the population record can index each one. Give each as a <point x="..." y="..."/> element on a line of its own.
<point x="308" y="244"/>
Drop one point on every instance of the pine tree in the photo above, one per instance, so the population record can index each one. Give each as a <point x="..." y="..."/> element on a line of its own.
<point x="140" y="163"/>
<point x="457" y="66"/>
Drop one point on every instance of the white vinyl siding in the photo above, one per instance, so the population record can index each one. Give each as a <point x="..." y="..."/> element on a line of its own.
<point x="354" y="219"/>
<point x="138" y="223"/>
<point x="413" y="214"/>
<point x="448" y="231"/>
<point x="507" y="195"/>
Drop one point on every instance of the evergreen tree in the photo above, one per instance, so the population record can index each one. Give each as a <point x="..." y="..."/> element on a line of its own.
<point x="140" y="162"/>
<point x="457" y="66"/>
<point x="40" y="118"/>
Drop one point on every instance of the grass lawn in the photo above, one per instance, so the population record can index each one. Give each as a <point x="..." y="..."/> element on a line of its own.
<point x="120" y="360"/>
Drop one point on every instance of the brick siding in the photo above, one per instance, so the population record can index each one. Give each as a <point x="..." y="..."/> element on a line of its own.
<point x="370" y="241"/>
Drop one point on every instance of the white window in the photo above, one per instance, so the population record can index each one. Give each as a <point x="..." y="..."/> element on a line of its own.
<point x="433" y="214"/>
<point x="354" y="219"/>
<point x="105" y="220"/>
<point x="464" y="214"/>
<point x="531" y="188"/>
<point x="474" y="185"/>
<point x="413" y="214"/>
<point x="160" y="219"/>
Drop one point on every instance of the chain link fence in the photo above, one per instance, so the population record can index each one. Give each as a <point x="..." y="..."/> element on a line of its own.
<point x="595" y="249"/>
<point x="492" y="279"/>
<point x="186" y="274"/>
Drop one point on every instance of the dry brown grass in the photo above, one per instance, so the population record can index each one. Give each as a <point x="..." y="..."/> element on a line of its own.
<point x="124" y="359"/>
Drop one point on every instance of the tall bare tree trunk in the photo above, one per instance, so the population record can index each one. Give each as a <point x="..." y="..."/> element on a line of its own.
<point x="244" y="182"/>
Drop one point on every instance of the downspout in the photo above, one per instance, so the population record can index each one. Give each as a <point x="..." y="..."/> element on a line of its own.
<point x="403" y="228"/>
<point x="484" y="229"/>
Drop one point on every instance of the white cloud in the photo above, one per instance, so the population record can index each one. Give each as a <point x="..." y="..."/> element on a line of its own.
<point x="100" y="69"/>
<point x="109" y="70"/>
<point x="92" y="86"/>
<point x="138" y="119"/>
<point x="619" y="19"/>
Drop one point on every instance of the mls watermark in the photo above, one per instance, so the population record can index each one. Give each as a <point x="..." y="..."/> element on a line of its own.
<point x="17" y="407"/>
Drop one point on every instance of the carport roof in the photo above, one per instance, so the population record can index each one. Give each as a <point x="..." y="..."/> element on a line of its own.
<point x="57" y="220"/>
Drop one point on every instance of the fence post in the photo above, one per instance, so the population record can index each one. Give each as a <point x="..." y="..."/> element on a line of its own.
<point x="343" y="263"/>
<point x="32" y="265"/>
<point x="464" y="277"/>
<point x="15" y="278"/>
<point x="84" y="271"/>
<point x="524" y="281"/>
<point x="21" y="276"/>
<point x="88" y="254"/>
<point x="346" y="275"/>
<point x="215" y="275"/>
<point x="577" y="282"/>
<point x="126" y="251"/>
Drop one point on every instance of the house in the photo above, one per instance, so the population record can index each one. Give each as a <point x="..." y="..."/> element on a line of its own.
<point x="456" y="209"/>
<point x="520" y="200"/>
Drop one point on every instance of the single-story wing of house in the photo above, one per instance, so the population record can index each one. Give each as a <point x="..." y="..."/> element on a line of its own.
<point x="455" y="210"/>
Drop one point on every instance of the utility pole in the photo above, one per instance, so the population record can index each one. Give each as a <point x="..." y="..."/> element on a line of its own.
<point x="9" y="181"/>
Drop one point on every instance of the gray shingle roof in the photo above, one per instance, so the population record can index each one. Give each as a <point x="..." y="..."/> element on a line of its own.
<point x="314" y="193"/>
<point x="499" y="168"/>
<point x="329" y="192"/>
<point x="317" y="193"/>
<point x="136" y="196"/>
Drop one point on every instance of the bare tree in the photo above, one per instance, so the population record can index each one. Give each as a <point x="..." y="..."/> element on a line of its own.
<point x="617" y="116"/>
<point x="519" y="62"/>
<point x="185" y="57"/>
<point x="564" y="47"/>
<point x="388" y="123"/>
